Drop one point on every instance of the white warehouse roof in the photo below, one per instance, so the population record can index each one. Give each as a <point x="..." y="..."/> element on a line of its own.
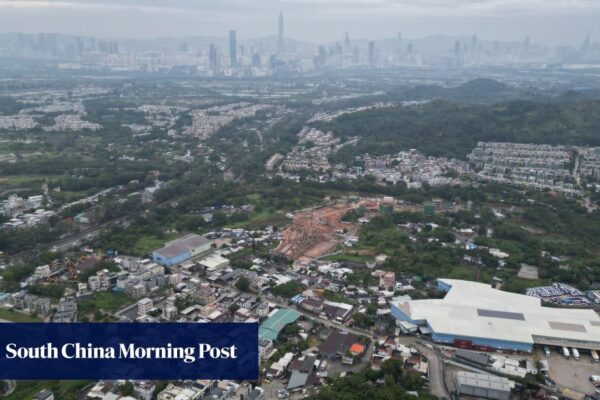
<point x="477" y="310"/>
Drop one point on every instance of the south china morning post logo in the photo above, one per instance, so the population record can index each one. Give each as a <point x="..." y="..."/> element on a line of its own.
<point x="129" y="351"/>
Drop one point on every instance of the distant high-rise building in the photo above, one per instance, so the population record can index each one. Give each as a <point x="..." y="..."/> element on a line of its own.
<point x="213" y="58"/>
<point x="347" y="45"/>
<point x="527" y="45"/>
<point x="371" y="53"/>
<point x="42" y="42"/>
<point x="79" y="46"/>
<point x="321" y="58"/>
<point x="585" y="47"/>
<point x="256" y="61"/>
<point x="233" y="60"/>
<point x="280" y="40"/>
<point x="355" y="55"/>
<point x="399" y="43"/>
<point x="457" y="48"/>
<point x="113" y="48"/>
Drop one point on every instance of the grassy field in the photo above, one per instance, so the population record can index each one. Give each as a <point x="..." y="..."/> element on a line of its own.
<point x="16" y="180"/>
<point x="15" y="316"/>
<point x="349" y="257"/>
<point x="146" y="244"/>
<point x="262" y="219"/>
<point x="106" y="301"/>
<point x="64" y="390"/>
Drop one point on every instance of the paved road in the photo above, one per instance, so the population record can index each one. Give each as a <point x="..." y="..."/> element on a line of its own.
<point x="436" y="370"/>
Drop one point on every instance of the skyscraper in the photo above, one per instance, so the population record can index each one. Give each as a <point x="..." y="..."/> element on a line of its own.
<point x="233" y="60"/>
<point x="280" y="44"/>
<point x="371" y="53"/>
<point x="347" y="45"/>
<point x="213" y="58"/>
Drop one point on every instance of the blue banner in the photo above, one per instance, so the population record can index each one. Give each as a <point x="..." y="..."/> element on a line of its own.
<point x="129" y="351"/>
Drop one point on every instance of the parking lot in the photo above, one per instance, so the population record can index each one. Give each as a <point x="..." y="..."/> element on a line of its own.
<point x="572" y="374"/>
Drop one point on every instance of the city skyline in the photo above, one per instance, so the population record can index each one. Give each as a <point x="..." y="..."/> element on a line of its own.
<point x="314" y="21"/>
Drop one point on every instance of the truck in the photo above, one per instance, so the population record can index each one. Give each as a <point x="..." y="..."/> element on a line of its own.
<point x="566" y="352"/>
<point x="575" y="353"/>
<point x="595" y="356"/>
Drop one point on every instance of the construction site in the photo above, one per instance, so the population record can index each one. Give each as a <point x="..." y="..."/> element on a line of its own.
<point x="316" y="231"/>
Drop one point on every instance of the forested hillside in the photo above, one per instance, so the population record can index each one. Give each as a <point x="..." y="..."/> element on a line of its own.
<point x="442" y="128"/>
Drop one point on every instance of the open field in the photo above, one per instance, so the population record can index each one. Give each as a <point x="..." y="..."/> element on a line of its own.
<point x="62" y="389"/>
<point x="15" y="316"/>
<point x="106" y="301"/>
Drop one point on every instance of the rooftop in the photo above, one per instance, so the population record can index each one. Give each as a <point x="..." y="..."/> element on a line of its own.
<point x="483" y="381"/>
<point x="182" y="245"/>
<point x="477" y="310"/>
<point x="269" y="330"/>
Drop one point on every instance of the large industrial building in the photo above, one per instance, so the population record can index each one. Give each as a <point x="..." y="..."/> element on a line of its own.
<point x="483" y="386"/>
<point x="181" y="249"/>
<point x="475" y="314"/>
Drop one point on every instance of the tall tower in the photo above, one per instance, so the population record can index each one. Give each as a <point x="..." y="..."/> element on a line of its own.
<point x="233" y="60"/>
<point x="347" y="45"/>
<point x="280" y="45"/>
<point x="371" y="53"/>
<point x="213" y="58"/>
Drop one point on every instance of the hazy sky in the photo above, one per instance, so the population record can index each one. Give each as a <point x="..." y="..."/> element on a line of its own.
<point x="546" y="21"/>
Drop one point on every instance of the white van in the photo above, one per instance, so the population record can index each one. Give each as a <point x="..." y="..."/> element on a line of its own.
<point x="566" y="352"/>
<point x="595" y="356"/>
<point x="575" y="353"/>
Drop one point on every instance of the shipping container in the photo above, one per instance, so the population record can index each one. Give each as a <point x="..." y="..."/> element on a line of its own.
<point x="463" y="343"/>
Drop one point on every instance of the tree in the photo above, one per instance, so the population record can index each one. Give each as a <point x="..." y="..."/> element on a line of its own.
<point x="127" y="389"/>
<point x="361" y="319"/>
<point x="243" y="284"/>
<point x="288" y="289"/>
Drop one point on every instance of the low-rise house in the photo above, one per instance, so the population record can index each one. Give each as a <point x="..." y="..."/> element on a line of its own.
<point x="66" y="310"/>
<point x="144" y="389"/>
<point x="338" y="344"/>
<point x="44" y="395"/>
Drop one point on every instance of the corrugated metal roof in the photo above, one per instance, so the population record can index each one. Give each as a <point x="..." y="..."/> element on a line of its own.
<point x="269" y="330"/>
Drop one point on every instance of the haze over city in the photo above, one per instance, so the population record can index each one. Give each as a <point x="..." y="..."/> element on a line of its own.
<point x="553" y="22"/>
